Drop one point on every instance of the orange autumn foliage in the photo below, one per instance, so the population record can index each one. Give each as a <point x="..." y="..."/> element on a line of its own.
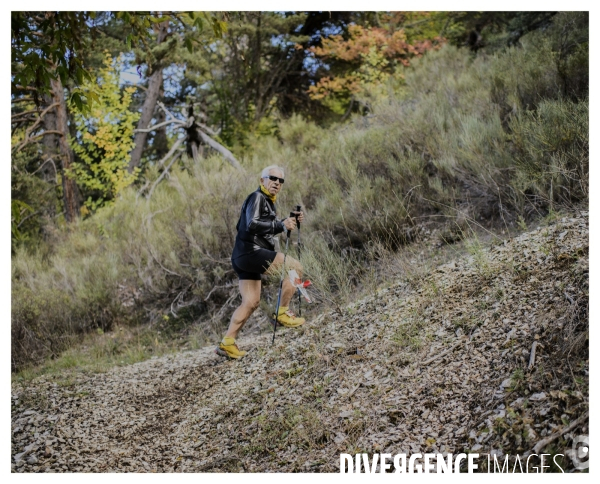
<point x="374" y="54"/>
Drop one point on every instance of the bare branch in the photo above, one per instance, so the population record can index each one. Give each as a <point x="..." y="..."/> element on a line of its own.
<point x="48" y="131"/>
<point x="28" y="217"/>
<point x="167" y="112"/>
<point x="26" y="141"/>
<point x="21" y="100"/>
<point x="17" y="122"/>
<point x="20" y="118"/>
<point x="24" y="88"/>
<point x="29" y="130"/>
<point x="42" y="166"/>
<point x="45" y="111"/>
<point x="24" y="113"/>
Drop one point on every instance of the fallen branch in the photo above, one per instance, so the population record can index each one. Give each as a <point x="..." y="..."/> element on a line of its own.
<point x="348" y="111"/>
<point x="214" y="289"/>
<point x="351" y="392"/>
<point x="221" y="149"/>
<point x="160" y="163"/>
<point x="171" y="151"/>
<point x="569" y="298"/>
<point x="163" y="174"/>
<point x="469" y="219"/>
<point x="532" y="355"/>
<point x="217" y="462"/>
<point x="443" y="353"/>
<point x="224" y="307"/>
<point x="142" y="190"/>
<point x="159" y="125"/>
<point x="210" y="131"/>
<point x="156" y="258"/>
<point x="544" y="442"/>
<point x="178" y="298"/>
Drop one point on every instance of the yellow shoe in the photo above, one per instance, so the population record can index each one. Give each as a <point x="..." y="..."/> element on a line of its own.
<point x="288" y="319"/>
<point x="229" y="349"/>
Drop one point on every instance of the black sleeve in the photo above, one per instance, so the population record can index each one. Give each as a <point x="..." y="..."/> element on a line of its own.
<point x="255" y="224"/>
<point x="279" y="227"/>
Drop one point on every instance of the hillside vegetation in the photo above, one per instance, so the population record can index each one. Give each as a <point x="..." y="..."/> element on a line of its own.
<point x="487" y="353"/>
<point x="455" y="145"/>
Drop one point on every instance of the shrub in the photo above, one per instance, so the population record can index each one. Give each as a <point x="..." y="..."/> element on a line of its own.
<point x="552" y="153"/>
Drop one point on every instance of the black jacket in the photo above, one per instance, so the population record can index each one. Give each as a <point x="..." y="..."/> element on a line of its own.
<point x="257" y="225"/>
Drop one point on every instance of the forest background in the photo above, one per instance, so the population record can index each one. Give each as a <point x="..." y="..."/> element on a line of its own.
<point x="393" y="127"/>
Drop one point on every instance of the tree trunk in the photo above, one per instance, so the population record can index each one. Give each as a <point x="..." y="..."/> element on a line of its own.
<point x="258" y="74"/>
<point x="160" y="142"/>
<point x="71" y="197"/>
<point x="154" y="87"/>
<point x="49" y="141"/>
<point x="50" y="152"/>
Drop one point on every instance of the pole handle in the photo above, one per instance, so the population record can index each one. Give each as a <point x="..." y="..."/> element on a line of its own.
<point x="298" y="209"/>
<point x="293" y="215"/>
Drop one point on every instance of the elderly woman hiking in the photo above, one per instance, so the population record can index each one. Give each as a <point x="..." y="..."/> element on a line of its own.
<point x="254" y="254"/>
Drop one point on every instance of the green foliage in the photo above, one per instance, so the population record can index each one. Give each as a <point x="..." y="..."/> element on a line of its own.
<point x="18" y="212"/>
<point x="569" y="37"/>
<point x="140" y="22"/>
<point x="33" y="196"/>
<point x="104" y="139"/>
<point x="238" y="81"/>
<point x="491" y="31"/>
<point x="50" y="45"/>
<point x="44" y="45"/>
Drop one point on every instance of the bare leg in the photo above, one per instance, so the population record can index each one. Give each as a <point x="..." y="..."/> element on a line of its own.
<point x="275" y="268"/>
<point x="250" y="291"/>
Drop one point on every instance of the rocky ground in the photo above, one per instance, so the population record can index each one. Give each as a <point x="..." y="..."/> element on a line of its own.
<point x="487" y="354"/>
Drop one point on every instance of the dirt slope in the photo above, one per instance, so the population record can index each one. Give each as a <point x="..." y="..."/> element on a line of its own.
<point x="438" y="365"/>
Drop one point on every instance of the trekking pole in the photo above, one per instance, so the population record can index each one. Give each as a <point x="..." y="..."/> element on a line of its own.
<point x="298" y="209"/>
<point x="276" y="321"/>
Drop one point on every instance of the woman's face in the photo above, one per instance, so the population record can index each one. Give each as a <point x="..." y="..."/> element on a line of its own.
<point x="273" y="187"/>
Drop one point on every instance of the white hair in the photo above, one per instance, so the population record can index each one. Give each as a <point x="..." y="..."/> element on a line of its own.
<point x="267" y="171"/>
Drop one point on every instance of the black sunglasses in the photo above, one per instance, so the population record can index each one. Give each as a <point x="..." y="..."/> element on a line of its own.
<point x="274" y="178"/>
